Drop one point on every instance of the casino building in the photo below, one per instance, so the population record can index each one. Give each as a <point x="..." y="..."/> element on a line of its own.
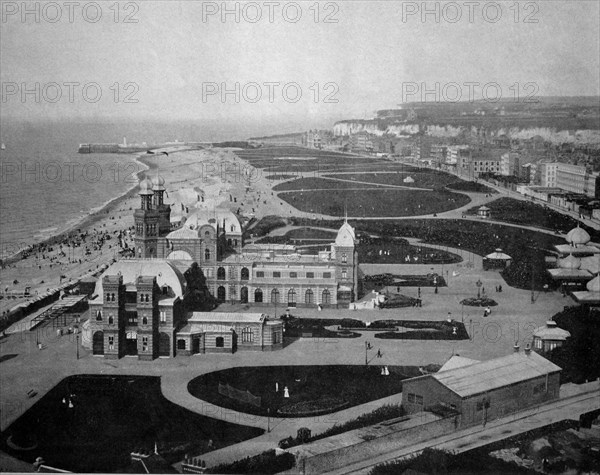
<point x="260" y="274"/>
<point x="137" y="307"/>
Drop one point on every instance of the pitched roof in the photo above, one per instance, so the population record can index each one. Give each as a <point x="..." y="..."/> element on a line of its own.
<point x="457" y="361"/>
<point x="492" y="374"/>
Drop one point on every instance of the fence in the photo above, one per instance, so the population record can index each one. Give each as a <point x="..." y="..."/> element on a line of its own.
<point x="243" y="396"/>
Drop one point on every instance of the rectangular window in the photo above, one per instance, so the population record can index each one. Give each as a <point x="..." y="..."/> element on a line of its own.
<point x="344" y="273"/>
<point x="209" y="273"/>
<point x="419" y="399"/>
<point x="480" y="405"/>
<point x="326" y="275"/>
<point x="293" y="275"/>
<point x="111" y="342"/>
<point x="540" y="388"/>
<point x="145" y="343"/>
<point x="163" y="316"/>
<point x="310" y="275"/>
<point x="260" y="273"/>
<point x="411" y="397"/>
<point x="276" y="275"/>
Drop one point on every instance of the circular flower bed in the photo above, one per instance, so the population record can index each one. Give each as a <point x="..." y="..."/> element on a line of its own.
<point x="313" y="408"/>
<point x="479" y="302"/>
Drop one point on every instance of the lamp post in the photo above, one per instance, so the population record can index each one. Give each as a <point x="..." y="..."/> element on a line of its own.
<point x="77" y="344"/>
<point x="268" y="419"/>
<point x="366" y="353"/>
<point x="478" y="284"/>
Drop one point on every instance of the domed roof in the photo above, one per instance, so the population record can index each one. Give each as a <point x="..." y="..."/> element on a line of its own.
<point x="146" y="187"/>
<point x="578" y="236"/>
<point x="158" y="183"/>
<point x="594" y="284"/>
<point x="183" y="233"/>
<point x="570" y="262"/>
<point x="166" y="274"/>
<point x="345" y="236"/>
<point x="591" y="263"/>
<point x="551" y="331"/>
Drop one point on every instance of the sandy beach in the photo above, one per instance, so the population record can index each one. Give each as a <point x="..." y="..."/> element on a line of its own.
<point x="194" y="179"/>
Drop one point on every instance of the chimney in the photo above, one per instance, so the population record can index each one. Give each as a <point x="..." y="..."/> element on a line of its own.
<point x="527" y="349"/>
<point x="516" y="347"/>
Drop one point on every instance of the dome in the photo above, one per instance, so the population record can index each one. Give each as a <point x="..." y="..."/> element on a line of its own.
<point x="578" y="236"/>
<point x="591" y="263"/>
<point x="158" y="183"/>
<point x="551" y="331"/>
<point x="594" y="284"/>
<point x="345" y="236"/>
<point x="570" y="262"/>
<point x="146" y="187"/>
<point x="166" y="274"/>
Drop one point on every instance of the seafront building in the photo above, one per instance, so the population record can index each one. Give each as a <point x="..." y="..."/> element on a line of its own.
<point x="138" y="304"/>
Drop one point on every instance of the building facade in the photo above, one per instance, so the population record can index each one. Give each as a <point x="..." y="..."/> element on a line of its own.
<point x="268" y="274"/>
<point x="484" y="391"/>
<point x="577" y="179"/>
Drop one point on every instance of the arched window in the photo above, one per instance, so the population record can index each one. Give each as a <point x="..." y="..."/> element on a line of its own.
<point x="112" y="297"/>
<point x="247" y="335"/>
<point x="220" y="342"/>
<point x="344" y="258"/>
<point x="229" y="242"/>
<point x="206" y="233"/>
<point x="245" y="273"/>
<point x="309" y="297"/>
<point x="326" y="297"/>
<point x="147" y="298"/>
<point x="258" y="296"/>
<point x="221" y="294"/>
<point x="108" y="297"/>
<point x="207" y="254"/>
<point x="111" y="320"/>
<point x="232" y="228"/>
<point x="274" y="296"/>
<point x="291" y="296"/>
<point x="221" y="273"/>
<point x="145" y="321"/>
<point x="99" y="316"/>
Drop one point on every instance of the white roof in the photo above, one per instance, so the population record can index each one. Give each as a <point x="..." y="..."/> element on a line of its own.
<point x="551" y="331"/>
<point x="345" y="236"/>
<point x="492" y="374"/>
<point x="457" y="361"/>
<point x="226" y="317"/>
<point x="165" y="272"/>
<point x="499" y="256"/>
<point x="185" y="232"/>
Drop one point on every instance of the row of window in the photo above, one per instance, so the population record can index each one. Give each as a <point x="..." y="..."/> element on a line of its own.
<point x="132" y="319"/>
<point x="294" y="275"/>
<point x="275" y="297"/>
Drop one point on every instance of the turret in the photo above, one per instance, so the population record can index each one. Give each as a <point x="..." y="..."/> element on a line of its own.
<point x="146" y="223"/>
<point x="164" y="210"/>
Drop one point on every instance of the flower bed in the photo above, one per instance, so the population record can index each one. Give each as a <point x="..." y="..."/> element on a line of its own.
<point x="479" y="302"/>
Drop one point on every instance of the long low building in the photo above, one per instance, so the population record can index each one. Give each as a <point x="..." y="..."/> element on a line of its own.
<point x="482" y="391"/>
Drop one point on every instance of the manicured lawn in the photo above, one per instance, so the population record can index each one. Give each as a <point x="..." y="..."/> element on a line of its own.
<point x="349" y="385"/>
<point x="384" y="202"/>
<point x="471" y="187"/>
<point x="426" y="330"/>
<point x="422" y="178"/>
<point x="532" y="214"/>
<point x="110" y="417"/>
<point x="306" y="184"/>
<point x="398" y="251"/>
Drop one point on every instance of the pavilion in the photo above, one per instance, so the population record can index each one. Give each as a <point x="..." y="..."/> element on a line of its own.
<point x="579" y="244"/>
<point x="591" y="296"/>
<point x="569" y="275"/>
<point x="496" y="260"/>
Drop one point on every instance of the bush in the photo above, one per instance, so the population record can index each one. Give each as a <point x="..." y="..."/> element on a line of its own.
<point x="266" y="463"/>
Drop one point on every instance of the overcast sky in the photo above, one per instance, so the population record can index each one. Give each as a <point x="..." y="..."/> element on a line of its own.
<point x="172" y="54"/>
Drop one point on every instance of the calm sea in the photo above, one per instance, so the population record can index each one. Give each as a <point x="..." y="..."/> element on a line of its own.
<point x="46" y="186"/>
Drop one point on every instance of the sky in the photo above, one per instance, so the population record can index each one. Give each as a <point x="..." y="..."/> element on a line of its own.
<point x="299" y="63"/>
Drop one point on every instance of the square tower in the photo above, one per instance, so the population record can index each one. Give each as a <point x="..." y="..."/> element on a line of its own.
<point x="147" y="317"/>
<point x="113" y="316"/>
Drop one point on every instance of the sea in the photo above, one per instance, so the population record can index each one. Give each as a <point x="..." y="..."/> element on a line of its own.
<point x="47" y="187"/>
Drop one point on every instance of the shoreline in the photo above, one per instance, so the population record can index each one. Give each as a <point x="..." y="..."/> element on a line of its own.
<point x="90" y="219"/>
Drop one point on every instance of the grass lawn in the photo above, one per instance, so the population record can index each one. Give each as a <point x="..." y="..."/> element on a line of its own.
<point x="306" y="184"/>
<point x="347" y="385"/>
<point x="532" y="214"/>
<point x="398" y="251"/>
<point x="384" y="202"/>
<point x="471" y="187"/>
<point x="422" y="178"/>
<point x="111" y="416"/>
